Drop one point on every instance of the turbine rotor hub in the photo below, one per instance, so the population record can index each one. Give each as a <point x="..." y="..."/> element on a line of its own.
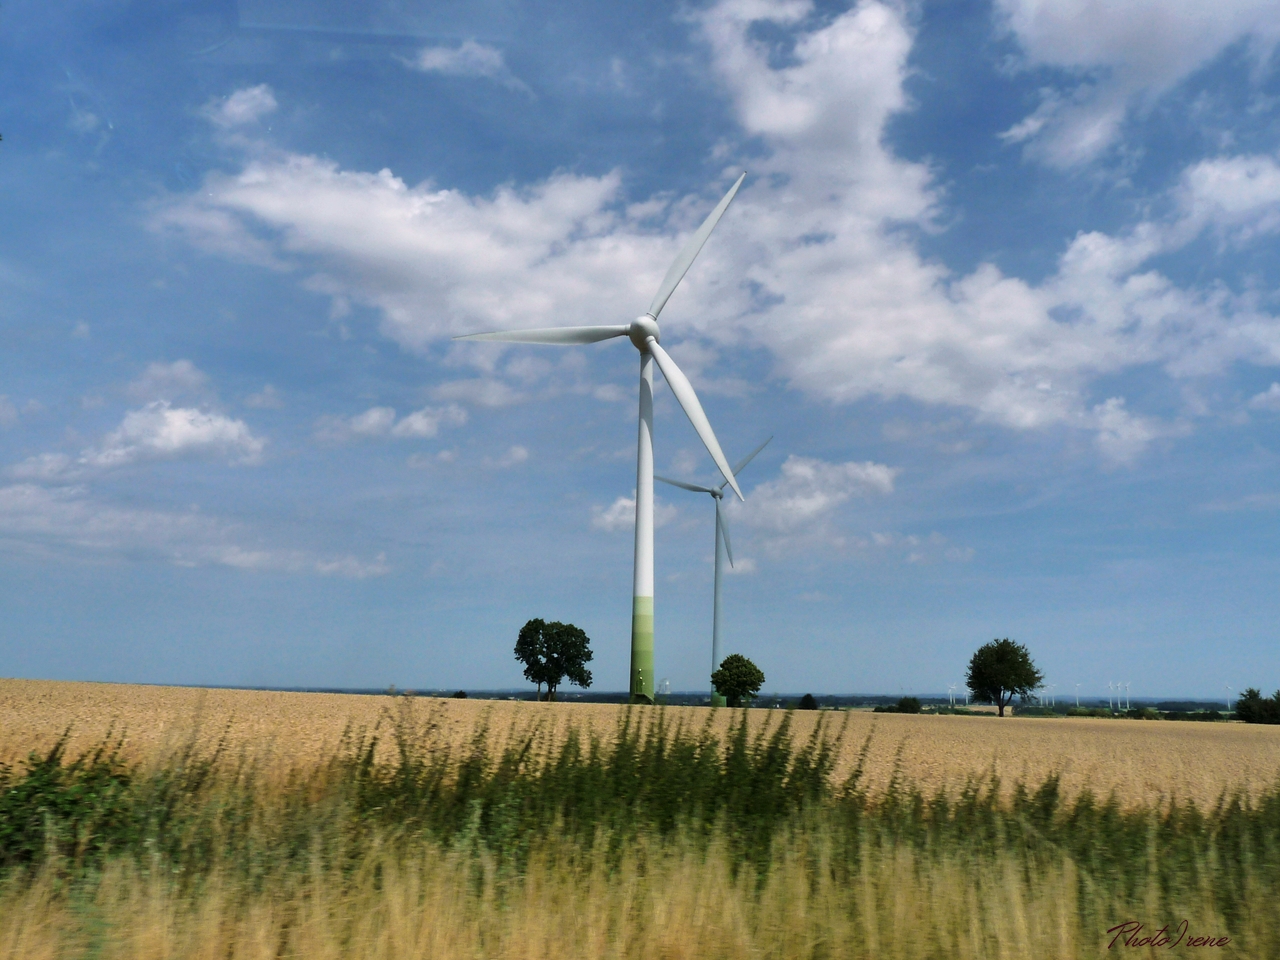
<point x="641" y="329"/>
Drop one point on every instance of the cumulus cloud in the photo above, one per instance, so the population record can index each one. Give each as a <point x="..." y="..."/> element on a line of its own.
<point x="514" y="456"/>
<point x="245" y="106"/>
<point x="914" y="548"/>
<point x="808" y="490"/>
<point x="382" y="422"/>
<point x="169" y="381"/>
<point x="481" y="391"/>
<point x="153" y="433"/>
<point x="268" y="398"/>
<point x="470" y="59"/>
<point x="811" y="265"/>
<point x="35" y="517"/>
<point x="621" y="515"/>
<point x="1268" y="399"/>
<point x="161" y="432"/>
<point x="1115" y="57"/>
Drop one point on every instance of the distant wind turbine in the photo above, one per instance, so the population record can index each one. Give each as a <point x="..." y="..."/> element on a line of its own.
<point x="1126" y="694"/>
<point x="1109" y="686"/>
<point x="722" y="545"/>
<point x="644" y="335"/>
<point x="1077" y="696"/>
<point x="951" y="694"/>
<point x="1228" y="686"/>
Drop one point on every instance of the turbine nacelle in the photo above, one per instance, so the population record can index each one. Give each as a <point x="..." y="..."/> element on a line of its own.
<point x="641" y="329"/>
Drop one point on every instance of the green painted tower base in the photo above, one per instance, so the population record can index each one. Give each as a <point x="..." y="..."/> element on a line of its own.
<point x="717" y="700"/>
<point x="642" y="650"/>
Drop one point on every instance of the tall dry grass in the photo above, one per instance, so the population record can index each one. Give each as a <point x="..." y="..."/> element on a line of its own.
<point x="663" y="843"/>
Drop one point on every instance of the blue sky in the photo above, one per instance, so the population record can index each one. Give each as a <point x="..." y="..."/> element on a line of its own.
<point x="1001" y="283"/>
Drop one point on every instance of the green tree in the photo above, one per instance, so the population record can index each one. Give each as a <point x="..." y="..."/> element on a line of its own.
<point x="808" y="702"/>
<point x="552" y="652"/>
<point x="1253" y="707"/>
<point x="737" y="679"/>
<point x="1001" y="670"/>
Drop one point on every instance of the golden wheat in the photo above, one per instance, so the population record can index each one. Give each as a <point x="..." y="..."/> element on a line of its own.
<point x="1141" y="761"/>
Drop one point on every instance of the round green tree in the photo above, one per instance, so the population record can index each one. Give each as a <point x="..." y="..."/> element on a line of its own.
<point x="737" y="679"/>
<point x="552" y="652"/>
<point x="1001" y="670"/>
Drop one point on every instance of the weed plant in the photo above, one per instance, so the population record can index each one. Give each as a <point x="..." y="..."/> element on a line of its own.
<point x="497" y="849"/>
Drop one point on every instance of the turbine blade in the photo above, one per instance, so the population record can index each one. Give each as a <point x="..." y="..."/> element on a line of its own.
<point x="561" y="335"/>
<point x="738" y="467"/>
<point x="690" y="252"/>
<point x="687" y="486"/>
<point x="724" y="532"/>
<point x="683" y="390"/>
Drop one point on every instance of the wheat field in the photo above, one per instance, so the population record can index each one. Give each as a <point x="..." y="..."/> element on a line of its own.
<point x="1141" y="762"/>
<point x="682" y="834"/>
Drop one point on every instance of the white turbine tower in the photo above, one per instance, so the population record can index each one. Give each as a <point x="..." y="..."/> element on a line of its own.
<point x="1109" y="686"/>
<point x="722" y="546"/>
<point x="951" y="694"/>
<point x="644" y="335"/>
<point x="1228" y="686"/>
<point x="1126" y="694"/>
<point x="1077" y="696"/>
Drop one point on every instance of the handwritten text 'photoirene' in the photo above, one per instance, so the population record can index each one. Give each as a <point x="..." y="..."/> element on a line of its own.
<point x="1129" y="934"/>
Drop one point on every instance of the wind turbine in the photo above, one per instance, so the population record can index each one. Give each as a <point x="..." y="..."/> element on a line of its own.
<point x="951" y="694"/>
<point x="1126" y="694"/>
<point x="644" y="335"/>
<point x="1109" y="706"/>
<point x="1077" y="696"/>
<point x="722" y="545"/>
<point x="1228" y="686"/>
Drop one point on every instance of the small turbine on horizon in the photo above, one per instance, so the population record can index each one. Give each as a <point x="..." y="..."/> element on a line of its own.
<point x="951" y="694"/>
<point x="722" y="545"/>
<point x="644" y="335"/>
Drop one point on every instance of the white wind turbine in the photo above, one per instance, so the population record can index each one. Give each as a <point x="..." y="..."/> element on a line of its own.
<point x="722" y="546"/>
<point x="951" y="694"/>
<point x="644" y="335"/>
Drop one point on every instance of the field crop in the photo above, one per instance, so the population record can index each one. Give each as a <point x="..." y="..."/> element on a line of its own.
<point x="1141" y="762"/>
<point x="412" y="828"/>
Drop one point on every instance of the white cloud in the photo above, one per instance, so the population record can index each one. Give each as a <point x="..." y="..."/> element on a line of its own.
<point x="807" y="491"/>
<point x="810" y="265"/>
<point x="268" y="398"/>
<point x="246" y="105"/>
<point x="1268" y="399"/>
<point x="153" y="433"/>
<point x="427" y="421"/>
<point x="1237" y="197"/>
<point x="1122" y="436"/>
<point x="1116" y="57"/>
<point x="69" y="519"/>
<point x="621" y="515"/>
<point x="470" y="59"/>
<point x="381" y="422"/>
<point x="161" y="432"/>
<point x="481" y="391"/>
<point x="514" y="456"/>
<point x="914" y="548"/>
<point x="169" y="381"/>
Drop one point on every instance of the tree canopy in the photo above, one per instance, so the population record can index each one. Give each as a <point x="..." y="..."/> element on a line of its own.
<point x="552" y="652"/>
<point x="736" y="679"/>
<point x="1001" y="670"/>
<point x="1253" y="707"/>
